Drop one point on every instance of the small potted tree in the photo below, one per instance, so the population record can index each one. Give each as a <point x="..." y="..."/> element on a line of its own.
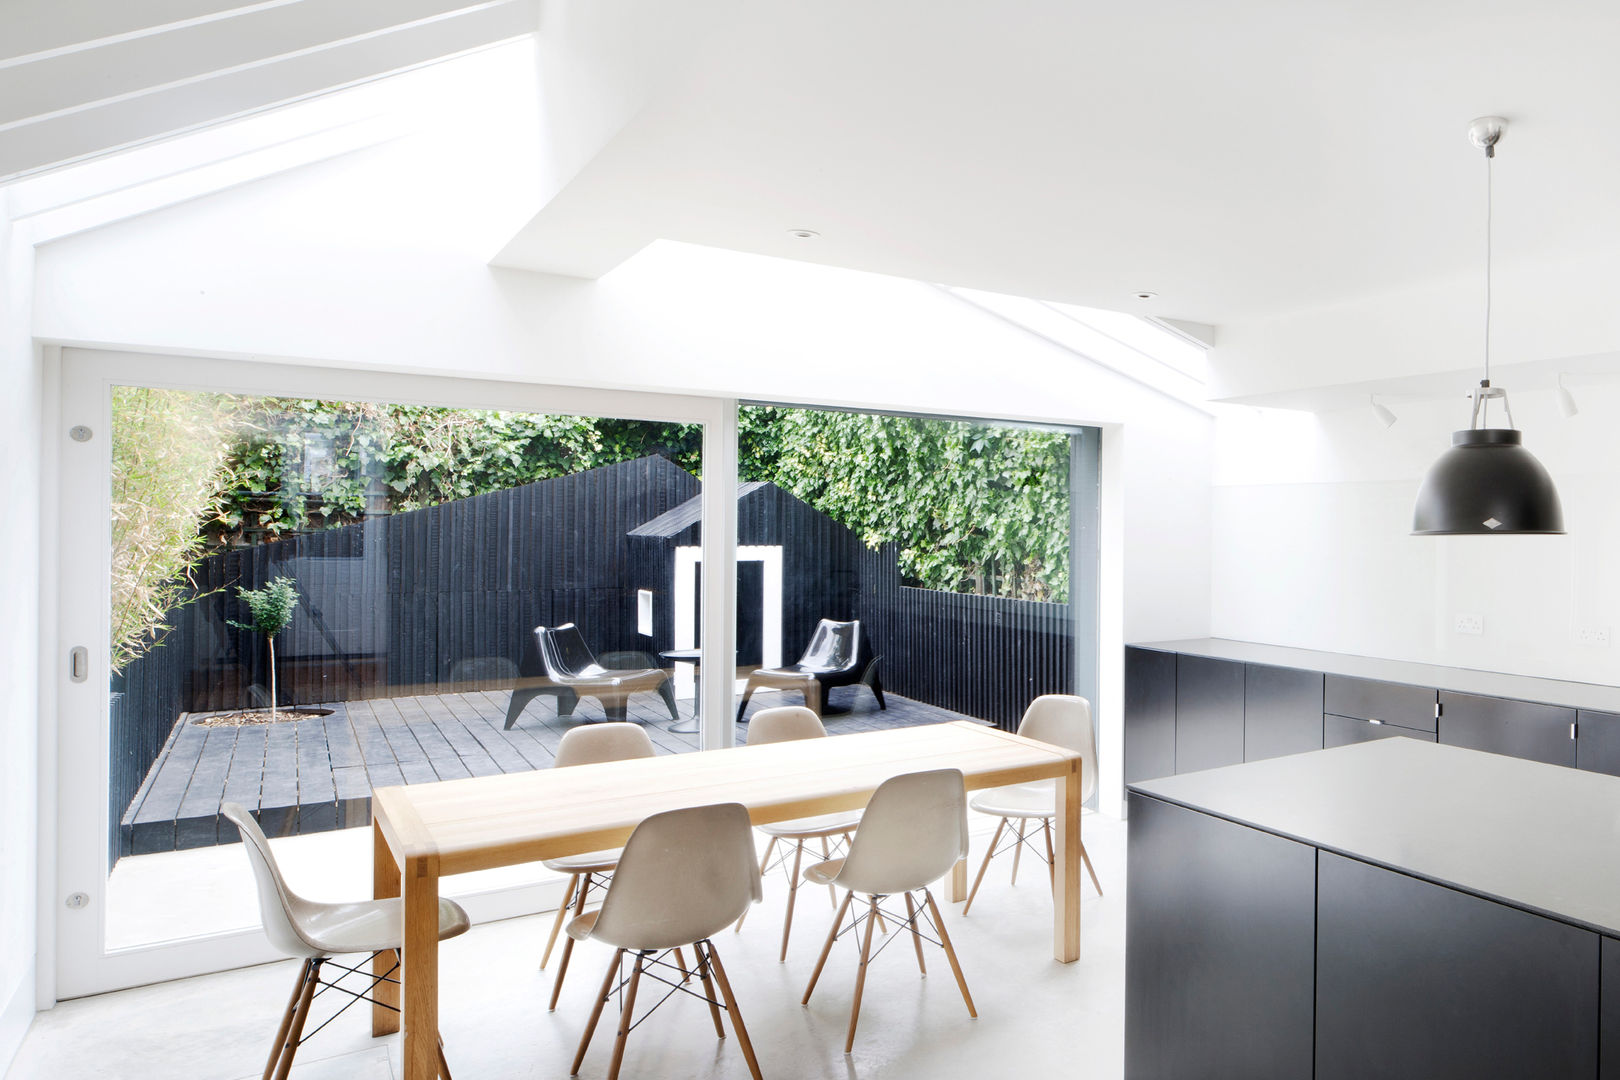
<point x="272" y="609"/>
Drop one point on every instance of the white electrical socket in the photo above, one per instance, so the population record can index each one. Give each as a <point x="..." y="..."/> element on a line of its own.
<point x="1470" y="624"/>
<point x="1592" y="635"/>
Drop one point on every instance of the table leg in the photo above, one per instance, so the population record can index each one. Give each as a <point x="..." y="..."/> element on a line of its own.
<point x="1066" y="894"/>
<point x="956" y="888"/>
<point x="421" y="971"/>
<point x="384" y="886"/>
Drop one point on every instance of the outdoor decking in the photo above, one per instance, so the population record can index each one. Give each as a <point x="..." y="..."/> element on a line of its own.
<point x="316" y="774"/>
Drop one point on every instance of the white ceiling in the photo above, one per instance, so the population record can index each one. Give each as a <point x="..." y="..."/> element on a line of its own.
<point x="79" y="78"/>
<point x="1241" y="159"/>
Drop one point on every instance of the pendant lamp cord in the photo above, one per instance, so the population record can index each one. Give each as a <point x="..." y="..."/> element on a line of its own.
<point x="1490" y="159"/>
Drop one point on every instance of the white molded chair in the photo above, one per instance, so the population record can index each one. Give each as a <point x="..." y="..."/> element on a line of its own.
<point x="315" y="932"/>
<point x="913" y="832"/>
<point x="618" y="741"/>
<point x="1062" y="720"/>
<point x="787" y="723"/>
<point x="684" y="875"/>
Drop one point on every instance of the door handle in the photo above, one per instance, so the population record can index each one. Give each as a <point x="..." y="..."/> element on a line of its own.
<point x="79" y="663"/>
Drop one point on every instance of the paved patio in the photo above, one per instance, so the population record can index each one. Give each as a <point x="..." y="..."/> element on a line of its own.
<point x="316" y="774"/>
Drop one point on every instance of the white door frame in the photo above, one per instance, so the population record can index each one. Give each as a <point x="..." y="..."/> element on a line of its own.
<point x="687" y="558"/>
<point x="74" y="734"/>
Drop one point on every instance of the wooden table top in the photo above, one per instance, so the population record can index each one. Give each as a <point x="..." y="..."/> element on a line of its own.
<point x="455" y="826"/>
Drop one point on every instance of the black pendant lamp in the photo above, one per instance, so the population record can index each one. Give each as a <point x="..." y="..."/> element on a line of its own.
<point x="1487" y="482"/>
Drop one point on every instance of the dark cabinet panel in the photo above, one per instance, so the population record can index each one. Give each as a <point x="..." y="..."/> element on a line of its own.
<point x="1419" y="982"/>
<point x="1150" y="714"/>
<point x="1209" y="713"/>
<point x="1609" y="1012"/>
<point x="1344" y="730"/>
<point x="1368" y="699"/>
<point x="1219" y="924"/>
<point x="1516" y="728"/>
<point x="1598" y="748"/>
<point x="1282" y="711"/>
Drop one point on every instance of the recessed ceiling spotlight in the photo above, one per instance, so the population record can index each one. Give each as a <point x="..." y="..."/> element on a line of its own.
<point x="1144" y="295"/>
<point x="804" y="234"/>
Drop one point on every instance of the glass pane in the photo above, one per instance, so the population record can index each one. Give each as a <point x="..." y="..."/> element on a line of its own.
<point x="315" y="598"/>
<point x="940" y="548"/>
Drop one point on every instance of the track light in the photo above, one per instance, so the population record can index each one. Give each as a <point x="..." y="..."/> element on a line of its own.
<point x="1381" y="411"/>
<point x="1566" y="400"/>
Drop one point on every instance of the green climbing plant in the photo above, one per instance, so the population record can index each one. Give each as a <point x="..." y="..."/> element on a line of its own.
<point x="270" y="609"/>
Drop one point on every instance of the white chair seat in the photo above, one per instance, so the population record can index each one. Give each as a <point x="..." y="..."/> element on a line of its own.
<point x="823" y="873"/>
<point x="579" y="927"/>
<point x="368" y="926"/>
<point x="811" y="827"/>
<point x="588" y="862"/>
<point x="1037" y="799"/>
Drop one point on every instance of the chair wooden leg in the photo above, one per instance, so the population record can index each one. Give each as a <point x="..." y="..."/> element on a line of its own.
<point x="793" y="895"/>
<point x="708" y="988"/>
<point x="556" y="924"/>
<point x="568" y="945"/>
<point x="1018" y="849"/>
<point x="989" y="853"/>
<point x="860" y="975"/>
<point x="832" y="935"/>
<point x="295" y="1030"/>
<point x="686" y="972"/>
<point x="763" y="863"/>
<point x="596" y="1010"/>
<point x="916" y="936"/>
<point x="826" y="855"/>
<point x="444" y="1066"/>
<point x="1092" y="870"/>
<point x="627" y="1018"/>
<point x="743" y="1041"/>
<point x="950" y="953"/>
<point x="279" y="1047"/>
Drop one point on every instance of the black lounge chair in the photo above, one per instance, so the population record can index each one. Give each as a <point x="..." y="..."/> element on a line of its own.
<point x="832" y="659"/>
<point x="572" y="669"/>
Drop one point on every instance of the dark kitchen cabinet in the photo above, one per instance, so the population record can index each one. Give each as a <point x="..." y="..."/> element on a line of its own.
<point x="1282" y="711"/>
<point x="1369" y="699"/>
<point x="1419" y="982"/>
<point x="1598" y="747"/>
<point x="1344" y="730"/>
<point x="1209" y="713"/>
<point x="1150" y="714"/>
<point x="1609" y="1012"/>
<point x="1219" y="919"/>
<point x="1516" y="728"/>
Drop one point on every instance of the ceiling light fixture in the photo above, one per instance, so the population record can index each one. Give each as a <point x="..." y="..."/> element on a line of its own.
<point x="1566" y="400"/>
<point x="1487" y="482"/>
<point x="1381" y="411"/>
<point x="804" y="234"/>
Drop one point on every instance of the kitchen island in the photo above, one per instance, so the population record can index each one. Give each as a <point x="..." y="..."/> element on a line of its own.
<point x="1382" y="909"/>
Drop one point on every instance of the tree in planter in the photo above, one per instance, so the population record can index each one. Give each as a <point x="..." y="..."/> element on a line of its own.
<point x="272" y="609"/>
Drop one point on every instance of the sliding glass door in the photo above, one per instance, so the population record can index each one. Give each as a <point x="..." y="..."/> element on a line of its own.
<point x="298" y="585"/>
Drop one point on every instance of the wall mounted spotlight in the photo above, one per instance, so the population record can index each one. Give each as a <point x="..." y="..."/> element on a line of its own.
<point x="1381" y="411"/>
<point x="1566" y="400"/>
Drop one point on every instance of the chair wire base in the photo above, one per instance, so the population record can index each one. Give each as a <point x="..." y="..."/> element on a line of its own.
<point x="310" y="985"/>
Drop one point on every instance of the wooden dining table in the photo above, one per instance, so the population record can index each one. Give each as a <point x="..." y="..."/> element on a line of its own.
<point x="426" y="831"/>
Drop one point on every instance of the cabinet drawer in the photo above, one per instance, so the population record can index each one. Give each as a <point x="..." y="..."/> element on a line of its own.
<point x="1519" y="729"/>
<point x="1344" y="730"/>
<point x="1598" y="750"/>
<point x="1367" y="699"/>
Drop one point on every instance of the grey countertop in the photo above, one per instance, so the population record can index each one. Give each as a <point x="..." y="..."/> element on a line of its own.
<point x="1538" y="837"/>
<point x="1574" y="695"/>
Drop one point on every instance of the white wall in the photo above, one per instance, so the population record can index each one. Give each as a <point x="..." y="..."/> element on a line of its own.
<point x="379" y="260"/>
<point x="1311" y="545"/>
<point x="20" y="410"/>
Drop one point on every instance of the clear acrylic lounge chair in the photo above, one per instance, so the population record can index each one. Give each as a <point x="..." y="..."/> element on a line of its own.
<point x="832" y="659"/>
<point x="569" y="663"/>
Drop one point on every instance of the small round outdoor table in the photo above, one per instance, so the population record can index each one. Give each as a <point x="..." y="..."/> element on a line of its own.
<point x="695" y="658"/>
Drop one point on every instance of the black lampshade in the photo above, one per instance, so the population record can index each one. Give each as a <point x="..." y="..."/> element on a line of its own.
<point x="1487" y="483"/>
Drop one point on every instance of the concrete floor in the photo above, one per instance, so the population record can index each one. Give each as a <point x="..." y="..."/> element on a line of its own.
<point x="1036" y="1017"/>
